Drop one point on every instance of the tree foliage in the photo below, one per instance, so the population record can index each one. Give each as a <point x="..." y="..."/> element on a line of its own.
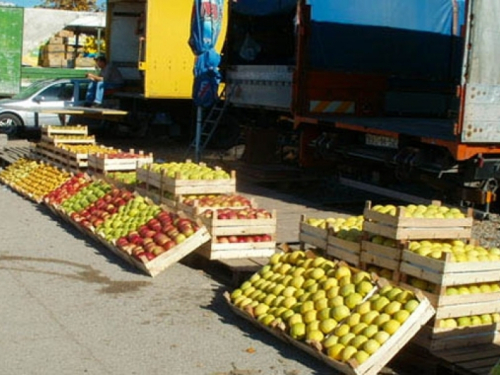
<point x="75" y="5"/>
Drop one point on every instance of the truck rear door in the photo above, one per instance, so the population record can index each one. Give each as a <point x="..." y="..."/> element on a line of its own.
<point x="481" y="78"/>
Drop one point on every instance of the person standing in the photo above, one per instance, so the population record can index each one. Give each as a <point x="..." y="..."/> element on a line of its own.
<point x="109" y="77"/>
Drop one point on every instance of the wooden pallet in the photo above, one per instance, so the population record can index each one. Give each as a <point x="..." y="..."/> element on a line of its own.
<point x="400" y="227"/>
<point x="375" y="362"/>
<point x="475" y="360"/>
<point x="11" y="154"/>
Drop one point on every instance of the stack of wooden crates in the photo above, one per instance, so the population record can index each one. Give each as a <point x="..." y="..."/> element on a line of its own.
<point x="384" y="247"/>
<point x="167" y="190"/>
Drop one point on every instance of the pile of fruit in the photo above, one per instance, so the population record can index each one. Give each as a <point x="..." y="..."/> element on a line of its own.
<point x="85" y="197"/>
<point x="157" y="236"/>
<point x="41" y="181"/>
<point x="243" y="239"/>
<point x="87" y="149"/>
<point x="129" y="217"/>
<point x="459" y="250"/>
<point x="128" y="178"/>
<point x="473" y="289"/>
<point x="383" y="241"/>
<point x="67" y="189"/>
<point x="99" y="211"/>
<point x="431" y="211"/>
<point x="189" y="171"/>
<point x="216" y="200"/>
<point x="18" y="171"/>
<point x="336" y="308"/>
<point x="349" y="229"/>
<point x="242" y="214"/>
<point x="470" y="321"/>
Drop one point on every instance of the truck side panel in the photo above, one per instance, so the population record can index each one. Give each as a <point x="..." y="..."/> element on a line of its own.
<point x="482" y="87"/>
<point x="11" y="46"/>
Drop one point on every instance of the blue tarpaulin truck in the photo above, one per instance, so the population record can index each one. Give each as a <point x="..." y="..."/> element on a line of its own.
<point x="412" y="84"/>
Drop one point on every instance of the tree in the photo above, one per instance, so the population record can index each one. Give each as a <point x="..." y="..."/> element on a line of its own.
<point x="76" y="5"/>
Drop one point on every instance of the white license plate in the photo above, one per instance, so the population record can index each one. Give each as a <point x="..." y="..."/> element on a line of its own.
<point x="381" y="141"/>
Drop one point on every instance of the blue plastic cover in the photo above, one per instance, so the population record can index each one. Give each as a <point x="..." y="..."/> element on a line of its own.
<point x="397" y="38"/>
<point x="263" y="7"/>
<point x="435" y="16"/>
<point x="206" y="23"/>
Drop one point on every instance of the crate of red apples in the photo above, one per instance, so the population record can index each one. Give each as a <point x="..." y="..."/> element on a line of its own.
<point x="119" y="161"/>
<point x="196" y="205"/>
<point x="239" y="233"/>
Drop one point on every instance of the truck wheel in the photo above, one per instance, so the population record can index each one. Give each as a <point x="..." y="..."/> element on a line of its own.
<point x="10" y="124"/>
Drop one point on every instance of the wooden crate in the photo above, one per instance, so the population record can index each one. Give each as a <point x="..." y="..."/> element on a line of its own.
<point x="55" y="140"/>
<point x="225" y="251"/>
<point x="156" y="265"/>
<point x="102" y="163"/>
<point x="311" y="235"/>
<point x="400" y="227"/>
<point x="341" y="249"/>
<point x="196" y="210"/>
<point x="375" y="362"/>
<point x="453" y="306"/>
<point x="380" y="255"/>
<point x="166" y="259"/>
<point x="437" y="339"/>
<point x="177" y="187"/>
<point x="446" y="273"/>
<point x="60" y="157"/>
<point x="50" y="130"/>
<point x="239" y="227"/>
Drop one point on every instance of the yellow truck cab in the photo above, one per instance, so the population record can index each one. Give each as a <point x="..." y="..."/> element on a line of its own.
<point x="148" y="42"/>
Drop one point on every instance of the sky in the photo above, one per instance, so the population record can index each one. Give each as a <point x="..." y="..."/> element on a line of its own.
<point x="30" y="3"/>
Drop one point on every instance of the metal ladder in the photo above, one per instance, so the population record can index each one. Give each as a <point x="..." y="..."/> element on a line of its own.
<point x="210" y="123"/>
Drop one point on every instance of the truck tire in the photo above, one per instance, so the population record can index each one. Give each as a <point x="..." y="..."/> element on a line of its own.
<point x="10" y="124"/>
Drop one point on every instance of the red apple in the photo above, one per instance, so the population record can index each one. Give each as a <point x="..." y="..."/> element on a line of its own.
<point x="233" y="239"/>
<point x="169" y="244"/>
<point x="149" y="246"/>
<point x="149" y="255"/>
<point x="161" y="238"/>
<point x="222" y="239"/>
<point x="266" y="238"/>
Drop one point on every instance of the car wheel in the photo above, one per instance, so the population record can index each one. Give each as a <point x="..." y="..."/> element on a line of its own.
<point x="10" y="124"/>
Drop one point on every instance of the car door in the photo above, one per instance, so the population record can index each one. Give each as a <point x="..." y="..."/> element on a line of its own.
<point x="56" y="96"/>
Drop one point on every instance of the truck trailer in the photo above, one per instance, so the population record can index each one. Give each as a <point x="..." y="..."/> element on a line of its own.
<point x="411" y="85"/>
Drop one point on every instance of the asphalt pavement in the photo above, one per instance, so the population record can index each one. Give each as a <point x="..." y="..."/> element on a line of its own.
<point x="69" y="306"/>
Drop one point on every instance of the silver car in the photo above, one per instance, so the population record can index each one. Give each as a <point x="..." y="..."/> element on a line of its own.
<point x="25" y="111"/>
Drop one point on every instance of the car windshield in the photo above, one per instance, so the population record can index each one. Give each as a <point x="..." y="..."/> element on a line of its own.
<point x="30" y="90"/>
